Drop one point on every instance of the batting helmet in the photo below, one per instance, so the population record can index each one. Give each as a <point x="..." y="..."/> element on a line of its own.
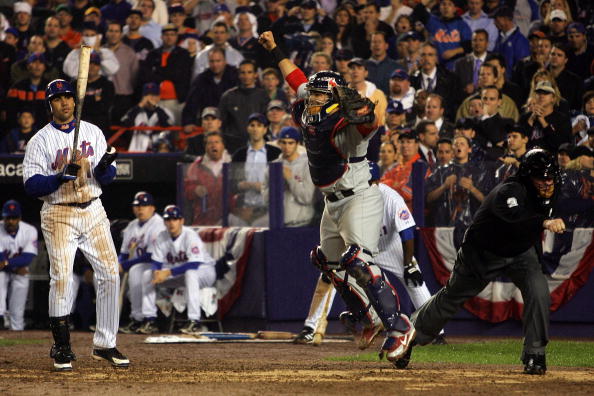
<point x="58" y="87"/>
<point x="540" y="164"/>
<point x="11" y="209"/>
<point x="172" y="212"/>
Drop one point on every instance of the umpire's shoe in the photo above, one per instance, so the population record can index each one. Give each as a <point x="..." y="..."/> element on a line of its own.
<point x="63" y="356"/>
<point x="396" y="343"/>
<point x="535" y="364"/>
<point x="112" y="355"/>
<point x="305" y="337"/>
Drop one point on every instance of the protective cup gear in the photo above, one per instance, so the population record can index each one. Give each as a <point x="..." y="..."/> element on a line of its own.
<point x="321" y="82"/>
<point x="539" y="164"/>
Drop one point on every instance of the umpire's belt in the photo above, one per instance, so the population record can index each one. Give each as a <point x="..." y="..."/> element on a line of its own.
<point x="82" y="205"/>
<point x="338" y="195"/>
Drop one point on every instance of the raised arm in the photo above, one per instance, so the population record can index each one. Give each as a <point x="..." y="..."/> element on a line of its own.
<point x="291" y="73"/>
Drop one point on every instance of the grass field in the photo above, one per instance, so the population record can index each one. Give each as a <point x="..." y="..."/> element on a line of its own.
<point x="20" y="341"/>
<point x="559" y="353"/>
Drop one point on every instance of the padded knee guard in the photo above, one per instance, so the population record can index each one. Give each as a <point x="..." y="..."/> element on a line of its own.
<point x="381" y="295"/>
<point x="319" y="260"/>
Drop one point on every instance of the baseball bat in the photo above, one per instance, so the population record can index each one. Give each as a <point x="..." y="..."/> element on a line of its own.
<point x="81" y="89"/>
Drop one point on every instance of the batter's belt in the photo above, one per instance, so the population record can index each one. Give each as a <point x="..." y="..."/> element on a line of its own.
<point x="82" y="205"/>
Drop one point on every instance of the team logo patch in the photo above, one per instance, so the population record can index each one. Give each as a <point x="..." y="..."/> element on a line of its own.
<point x="404" y="215"/>
<point x="195" y="250"/>
<point x="511" y="202"/>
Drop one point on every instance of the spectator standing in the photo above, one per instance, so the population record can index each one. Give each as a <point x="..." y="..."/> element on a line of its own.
<point x="379" y="65"/>
<point x="359" y="73"/>
<point x="15" y="141"/>
<point x="511" y="43"/>
<point x="56" y="49"/>
<point x="208" y="87"/>
<point x="581" y="56"/>
<point x="467" y="68"/>
<point x="271" y="82"/>
<point x="210" y="122"/>
<point x="148" y="27"/>
<point x="371" y="23"/>
<point x="22" y="23"/>
<point x="170" y="67"/>
<point x="493" y="125"/>
<point x="434" y="112"/>
<point x="570" y="84"/>
<point x="203" y="183"/>
<point x="238" y="103"/>
<point x="517" y="142"/>
<point x="125" y="79"/>
<point x="220" y="32"/>
<point x="428" y="137"/>
<point x="134" y="38"/>
<point x="116" y="10"/>
<point x="477" y="19"/>
<point x="401" y="90"/>
<point x="67" y="32"/>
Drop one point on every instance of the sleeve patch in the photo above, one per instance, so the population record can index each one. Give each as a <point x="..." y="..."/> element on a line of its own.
<point x="195" y="250"/>
<point x="404" y="214"/>
<point x="511" y="202"/>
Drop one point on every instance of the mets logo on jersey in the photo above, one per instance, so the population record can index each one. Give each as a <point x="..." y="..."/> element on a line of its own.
<point x="195" y="250"/>
<point x="86" y="151"/>
<point x="404" y="215"/>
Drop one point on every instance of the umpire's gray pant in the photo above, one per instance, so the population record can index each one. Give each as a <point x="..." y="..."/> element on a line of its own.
<point x="470" y="276"/>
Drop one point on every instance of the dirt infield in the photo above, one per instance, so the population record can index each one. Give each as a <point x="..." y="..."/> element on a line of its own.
<point x="260" y="369"/>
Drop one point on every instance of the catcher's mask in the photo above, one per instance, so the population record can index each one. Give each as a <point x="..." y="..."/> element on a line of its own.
<point x="319" y="94"/>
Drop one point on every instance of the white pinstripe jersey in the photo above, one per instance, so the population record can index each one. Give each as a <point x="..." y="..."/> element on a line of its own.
<point x="186" y="248"/>
<point x="397" y="217"/>
<point x="25" y="241"/>
<point x="49" y="150"/>
<point x="137" y="238"/>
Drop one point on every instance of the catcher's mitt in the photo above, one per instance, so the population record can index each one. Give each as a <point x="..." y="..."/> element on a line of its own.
<point x="355" y="108"/>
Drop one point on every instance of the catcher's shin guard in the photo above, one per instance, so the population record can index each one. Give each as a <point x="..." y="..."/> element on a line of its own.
<point x="381" y="294"/>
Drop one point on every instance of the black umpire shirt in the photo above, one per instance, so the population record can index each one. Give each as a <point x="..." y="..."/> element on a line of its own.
<point x="509" y="221"/>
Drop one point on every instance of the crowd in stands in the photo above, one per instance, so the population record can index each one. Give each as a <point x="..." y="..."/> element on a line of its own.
<point x="466" y="86"/>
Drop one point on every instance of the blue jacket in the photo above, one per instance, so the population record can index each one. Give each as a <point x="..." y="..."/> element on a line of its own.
<point x="513" y="49"/>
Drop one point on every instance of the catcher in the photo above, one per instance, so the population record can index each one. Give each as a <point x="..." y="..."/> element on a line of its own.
<point x="337" y="124"/>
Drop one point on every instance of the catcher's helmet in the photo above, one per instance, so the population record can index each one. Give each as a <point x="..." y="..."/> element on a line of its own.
<point x="324" y="81"/>
<point x="58" y="87"/>
<point x="540" y="164"/>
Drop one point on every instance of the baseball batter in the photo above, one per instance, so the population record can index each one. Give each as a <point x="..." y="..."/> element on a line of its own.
<point x="73" y="217"/>
<point x="180" y="259"/>
<point x="139" y="235"/>
<point x="337" y="124"/>
<point x="18" y="246"/>
<point x="395" y="255"/>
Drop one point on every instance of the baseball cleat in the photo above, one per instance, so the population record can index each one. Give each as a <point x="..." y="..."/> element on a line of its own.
<point x="193" y="327"/>
<point x="112" y="355"/>
<point x="368" y="335"/>
<point x="535" y="365"/>
<point x="402" y="362"/>
<point x="148" y="327"/>
<point x="305" y="337"/>
<point x="397" y="344"/>
<point x="131" y="328"/>
<point x="63" y="356"/>
<point x="348" y="321"/>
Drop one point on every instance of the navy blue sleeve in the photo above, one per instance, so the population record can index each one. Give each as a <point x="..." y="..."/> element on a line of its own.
<point x="38" y="185"/>
<point x="184" y="267"/>
<point x="407" y="234"/>
<point x="105" y="175"/>
<point x="22" y="260"/>
<point x="145" y="258"/>
<point x="156" y="265"/>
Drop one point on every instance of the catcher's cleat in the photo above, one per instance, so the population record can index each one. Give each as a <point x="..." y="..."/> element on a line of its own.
<point x="396" y="343"/>
<point x="440" y="340"/>
<point x="368" y="335"/>
<point x="63" y="356"/>
<point x="131" y="328"/>
<point x="193" y="327"/>
<point x="148" y="327"/>
<point x="402" y="362"/>
<point x="112" y="355"/>
<point x="305" y="337"/>
<point x="535" y="365"/>
<point x="348" y="321"/>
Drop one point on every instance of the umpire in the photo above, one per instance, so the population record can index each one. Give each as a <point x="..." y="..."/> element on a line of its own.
<point x="504" y="240"/>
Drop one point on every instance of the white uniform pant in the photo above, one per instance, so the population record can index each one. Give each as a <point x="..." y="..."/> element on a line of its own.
<point x="19" y="287"/>
<point x="193" y="280"/>
<point x="76" y="280"/>
<point x="65" y="229"/>
<point x="141" y="292"/>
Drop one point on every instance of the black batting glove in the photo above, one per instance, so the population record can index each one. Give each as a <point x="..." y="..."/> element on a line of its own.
<point x="412" y="275"/>
<point x="69" y="172"/>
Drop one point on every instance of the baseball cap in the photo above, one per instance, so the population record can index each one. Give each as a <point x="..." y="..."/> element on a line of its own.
<point x="37" y="56"/>
<point x="261" y="118"/>
<point x="12" y="31"/>
<point x="395" y="107"/>
<point x="275" y="104"/>
<point x="142" y="198"/>
<point x="210" y="111"/>
<point x="176" y="8"/>
<point x="290" y="132"/>
<point x="95" y="58"/>
<point x="558" y="14"/>
<point x="576" y="27"/>
<point x="344" y="54"/>
<point x="92" y="10"/>
<point x="358" y="62"/>
<point x="65" y="8"/>
<point x="400" y="73"/>
<point x="545" y="86"/>
<point x="504" y="11"/>
<point x="169" y="27"/>
<point x="566" y="148"/>
<point x="517" y="128"/>
<point x="309" y="4"/>
<point x="172" y="212"/>
<point x="408" y="133"/>
<point x="11" y="208"/>
<point x="150" y="88"/>
<point x="135" y="11"/>
<point x="22" y="6"/>
<point x="220" y="8"/>
<point x="536" y="33"/>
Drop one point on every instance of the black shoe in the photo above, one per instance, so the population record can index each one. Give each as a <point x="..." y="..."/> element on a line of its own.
<point x="131" y="328"/>
<point x="402" y="363"/>
<point x="112" y="355"/>
<point x="63" y="356"/>
<point x="440" y="340"/>
<point x="535" y="364"/>
<point x="305" y="337"/>
<point x="193" y="327"/>
<point x="348" y="321"/>
<point x="148" y="327"/>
